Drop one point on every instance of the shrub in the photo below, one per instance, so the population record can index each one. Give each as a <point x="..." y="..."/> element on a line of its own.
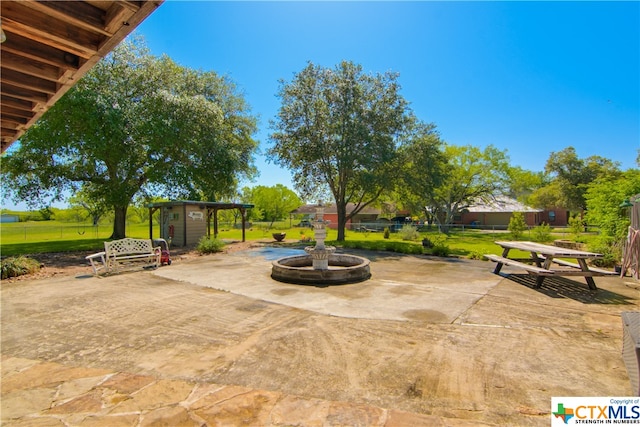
<point x="441" y="250"/>
<point x="409" y="232"/>
<point x="209" y="246"/>
<point x="18" y="266"/>
<point x="387" y="233"/>
<point x="517" y="225"/>
<point x="542" y="233"/>
<point x="403" y="248"/>
<point x="576" y="225"/>
<point x="440" y="247"/>
<point x="610" y="249"/>
<point x="380" y="245"/>
<point x="427" y="243"/>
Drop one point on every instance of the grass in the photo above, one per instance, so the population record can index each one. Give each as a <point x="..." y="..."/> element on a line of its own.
<point x="53" y="236"/>
<point x="17" y="249"/>
<point x="34" y="237"/>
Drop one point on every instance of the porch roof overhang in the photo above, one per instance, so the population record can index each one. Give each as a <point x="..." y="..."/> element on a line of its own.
<point x="49" y="45"/>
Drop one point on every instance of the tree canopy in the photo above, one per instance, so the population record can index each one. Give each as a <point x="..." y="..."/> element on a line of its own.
<point x="423" y="168"/>
<point x="604" y="197"/>
<point x="136" y="125"/>
<point x="570" y="178"/>
<point x="470" y="174"/>
<point x="274" y="203"/>
<point x="338" y="130"/>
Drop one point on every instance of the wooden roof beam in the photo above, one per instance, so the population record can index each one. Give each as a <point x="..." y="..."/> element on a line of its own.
<point x="79" y="14"/>
<point x="11" y="122"/>
<point x="118" y="15"/>
<point x="25" y="94"/>
<point x="15" y="112"/>
<point x="24" y="47"/>
<point x="30" y="67"/>
<point x="37" y="26"/>
<point x="19" y="104"/>
<point x="5" y="134"/>
<point x="25" y="81"/>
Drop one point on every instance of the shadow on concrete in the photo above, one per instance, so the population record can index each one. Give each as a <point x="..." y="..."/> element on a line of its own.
<point x="561" y="287"/>
<point x="388" y="255"/>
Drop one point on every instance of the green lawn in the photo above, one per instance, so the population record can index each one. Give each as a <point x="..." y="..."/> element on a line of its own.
<point x="53" y="236"/>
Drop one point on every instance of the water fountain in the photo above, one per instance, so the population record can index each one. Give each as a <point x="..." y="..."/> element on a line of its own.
<point x="321" y="265"/>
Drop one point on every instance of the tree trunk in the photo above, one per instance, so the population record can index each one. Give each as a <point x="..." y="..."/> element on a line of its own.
<point x="445" y="226"/>
<point x="119" y="222"/>
<point x="342" y="219"/>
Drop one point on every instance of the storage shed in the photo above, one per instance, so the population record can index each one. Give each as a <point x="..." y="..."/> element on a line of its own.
<point x="184" y="222"/>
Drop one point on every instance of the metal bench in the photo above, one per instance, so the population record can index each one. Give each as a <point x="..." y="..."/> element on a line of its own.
<point x="124" y="253"/>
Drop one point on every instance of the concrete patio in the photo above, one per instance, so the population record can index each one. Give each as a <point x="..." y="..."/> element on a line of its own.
<point x="214" y="340"/>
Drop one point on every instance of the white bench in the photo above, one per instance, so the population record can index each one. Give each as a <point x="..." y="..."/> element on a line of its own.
<point x="125" y="252"/>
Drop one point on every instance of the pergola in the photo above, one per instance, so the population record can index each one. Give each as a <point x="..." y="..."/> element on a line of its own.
<point x="212" y="209"/>
<point x="49" y="45"/>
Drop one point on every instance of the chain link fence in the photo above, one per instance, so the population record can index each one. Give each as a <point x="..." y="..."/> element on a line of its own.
<point x="31" y="232"/>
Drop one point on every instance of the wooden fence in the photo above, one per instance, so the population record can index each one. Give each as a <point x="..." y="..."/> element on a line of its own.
<point x="631" y="255"/>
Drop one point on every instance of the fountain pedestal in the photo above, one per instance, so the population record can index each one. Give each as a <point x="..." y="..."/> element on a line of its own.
<point x="320" y="253"/>
<point x="320" y="257"/>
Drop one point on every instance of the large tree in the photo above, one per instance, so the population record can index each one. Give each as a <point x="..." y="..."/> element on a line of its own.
<point x="136" y="124"/>
<point x="338" y="130"/>
<point x="423" y="168"/>
<point x="522" y="183"/>
<point x="571" y="176"/>
<point x="95" y="209"/>
<point x="604" y="197"/>
<point x="275" y="202"/>
<point x="470" y="174"/>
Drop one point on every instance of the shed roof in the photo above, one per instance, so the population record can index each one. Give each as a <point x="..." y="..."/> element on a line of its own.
<point x="214" y="205"/>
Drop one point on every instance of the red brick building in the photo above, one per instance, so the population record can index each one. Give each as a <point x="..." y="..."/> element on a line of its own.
<point x="367" y="215"/>
<point x="498" y="211"/>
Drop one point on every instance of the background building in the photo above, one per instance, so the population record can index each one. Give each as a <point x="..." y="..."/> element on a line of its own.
<point x="498" y="211"/>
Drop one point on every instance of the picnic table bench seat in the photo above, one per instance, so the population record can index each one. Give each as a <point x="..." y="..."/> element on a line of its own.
<point x="596" y="271"/>
<point x="125" y="252"/>
<point x="528" y="267"/>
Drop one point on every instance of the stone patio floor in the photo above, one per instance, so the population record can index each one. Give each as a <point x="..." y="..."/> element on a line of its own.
<point x="193" y="345"/>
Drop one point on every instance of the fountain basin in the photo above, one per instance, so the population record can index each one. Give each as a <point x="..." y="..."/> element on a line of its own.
<point x="341" y="269"/>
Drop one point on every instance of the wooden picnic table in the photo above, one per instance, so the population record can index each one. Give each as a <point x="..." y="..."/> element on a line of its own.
<point x="543" y="256"/>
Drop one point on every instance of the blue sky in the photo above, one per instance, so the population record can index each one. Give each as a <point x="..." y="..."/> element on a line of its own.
<point x="528" y="77"/>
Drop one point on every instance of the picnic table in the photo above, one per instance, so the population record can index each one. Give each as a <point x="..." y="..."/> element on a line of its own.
<point x="543" y="256"/>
